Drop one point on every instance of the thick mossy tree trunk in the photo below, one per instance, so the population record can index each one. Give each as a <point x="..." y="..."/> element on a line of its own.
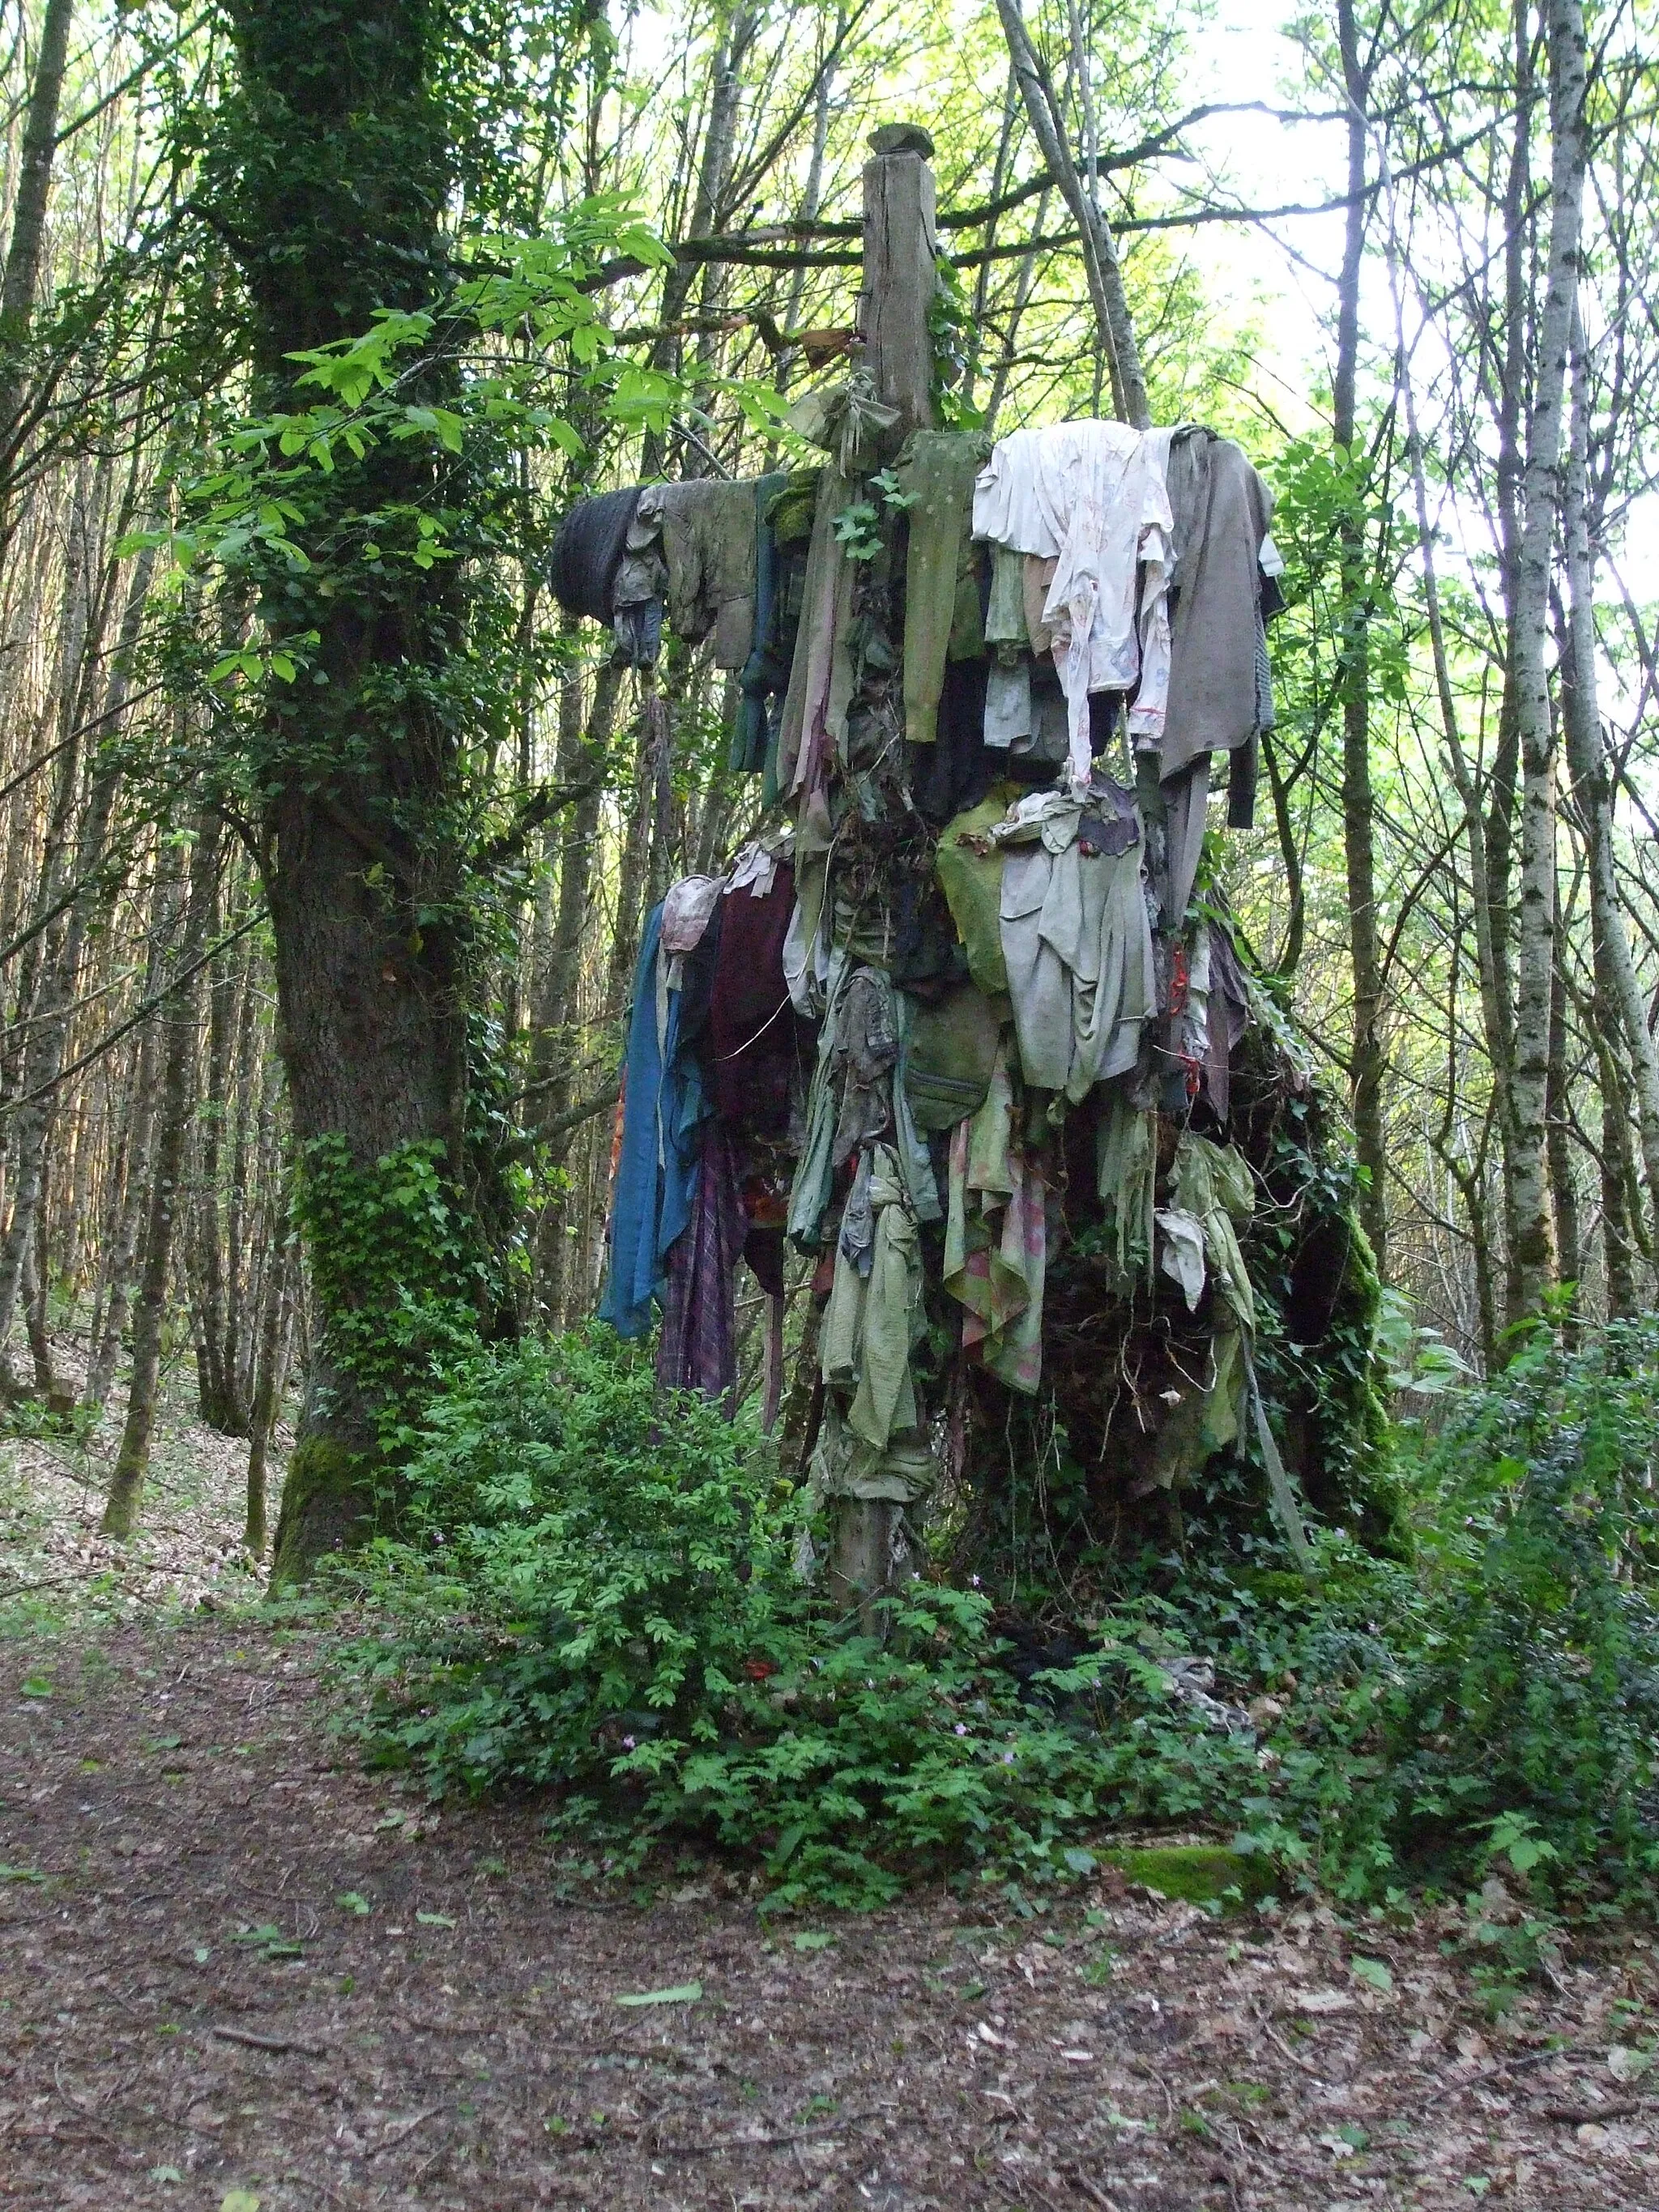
<point x="329" y="177"/>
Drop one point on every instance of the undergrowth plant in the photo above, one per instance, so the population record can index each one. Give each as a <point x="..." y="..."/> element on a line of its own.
<point x="597" y="1596"/>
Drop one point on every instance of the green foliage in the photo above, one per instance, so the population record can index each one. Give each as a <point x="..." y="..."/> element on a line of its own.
<point x="1533" y="1711"/>
<point x="396" y="1270"/>
<point x="599" y="1595"/>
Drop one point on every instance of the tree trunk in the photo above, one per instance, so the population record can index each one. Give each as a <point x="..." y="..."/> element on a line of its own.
<point x="1587" y="765"/>
<point x="334" y="172"/>
<point x="1113" y="321"/>
<point x="558" y="1053"/>
<point x="1367" y="1066"/>
<point x="271" y="1360"/>
<point x="1517" y="230"/>
<point x="60" y="971"/>
<point x="123" y="1259"/>
<point x="1558" y="1106"/>
<point x="1536" y="935"/>
<point x="172" y="1129"/>
<point x="21" y="285"/>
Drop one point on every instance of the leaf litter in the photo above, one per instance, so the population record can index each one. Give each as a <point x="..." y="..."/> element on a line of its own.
<point x="199" y="2004"/>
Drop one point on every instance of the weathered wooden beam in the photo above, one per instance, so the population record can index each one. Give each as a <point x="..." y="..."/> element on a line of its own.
<point x="900" y="243"/>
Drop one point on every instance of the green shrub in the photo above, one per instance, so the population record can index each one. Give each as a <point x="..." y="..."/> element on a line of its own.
<point x="598" y="1595"/>
<point x="1531" y="1708"/>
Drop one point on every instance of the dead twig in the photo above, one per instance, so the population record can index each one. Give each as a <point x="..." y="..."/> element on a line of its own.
<point x="277" y="2045"/>
<point x="1080" y="2179"/>
<point x="1274" y="2037"/>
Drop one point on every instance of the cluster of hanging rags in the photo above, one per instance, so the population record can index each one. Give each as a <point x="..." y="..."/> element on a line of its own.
<point x="983" y="687"/>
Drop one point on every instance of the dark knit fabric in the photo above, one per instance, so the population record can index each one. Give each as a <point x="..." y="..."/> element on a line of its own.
<point x="588" y="551"/>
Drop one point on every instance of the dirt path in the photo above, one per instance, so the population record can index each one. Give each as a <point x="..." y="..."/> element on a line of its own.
<point x="231" y="1962"/>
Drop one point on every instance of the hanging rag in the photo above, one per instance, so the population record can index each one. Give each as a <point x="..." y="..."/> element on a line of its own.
<point x="853" y="1098"/>
<point x="1088" y="495"/>
<point x="1210" y="1183"/>
<point x="655" y="1179"/>
<point x="1221" y="509"/>
<point x="708" y="543"/>
<point x="952" y="1049"/>
<point x="766" y="671"/>
<point x="996" y="1241"/>
<point x="1007" y="704"/>
<point x="758" y="1040"/>
<point x="848" y="421"/>
<point x="1186" y="796"/>
<point x="637" y="594"/>
<point x="1210" y="1192"/>
<point x="1151" y="698"/>
<point x="1076" y="944"/>
<point x="685" y="912"/>
<point x="587" y="551"/>
<point x="970" y="870"/>
<point x="1228" y="1018"/>
<point x="844" y="1466"/>
<point x="1006" y="632"/>
<point x="874" y="1317"/>
<point x="698" y="1348"/>
<point x="957" y="770"/>
<point x="1126" y="1163"/>
<point x="811" y="728"/>
<point x="936" y="472"/>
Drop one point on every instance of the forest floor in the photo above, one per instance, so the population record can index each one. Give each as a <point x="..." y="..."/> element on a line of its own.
<point x="238" y="1970"/>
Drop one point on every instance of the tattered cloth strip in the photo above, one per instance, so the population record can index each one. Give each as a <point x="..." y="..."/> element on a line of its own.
<point x="941" y="594"/>
<point x="996" y="1241"/>
<point x="874" y="1316"/>
<point x="1125" y="1163"/>
<point x="708" y="541"/>
<point x="697" y="1349"/>
<point x="1221" y="510"/>
<point x="656" y="1163"/>
<point x="810" y="729"/>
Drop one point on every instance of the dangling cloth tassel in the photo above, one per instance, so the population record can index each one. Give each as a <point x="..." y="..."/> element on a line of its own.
<point x="1278" y="1482"/>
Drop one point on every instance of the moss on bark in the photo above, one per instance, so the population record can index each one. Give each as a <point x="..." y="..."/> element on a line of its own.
<point x="329" y="1503"/>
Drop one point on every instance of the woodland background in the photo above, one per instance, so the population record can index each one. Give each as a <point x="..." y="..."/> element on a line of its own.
<point x="1454" y="881"/>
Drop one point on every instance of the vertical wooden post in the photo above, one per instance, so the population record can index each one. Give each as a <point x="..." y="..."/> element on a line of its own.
<point x="899" y="244"/>
<point x="894" y="301"/>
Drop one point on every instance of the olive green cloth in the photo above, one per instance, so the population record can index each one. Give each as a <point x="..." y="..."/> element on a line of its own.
<point x="942" y="621"/>
<point x="809" y="734"/>
<point x="872" y="1320"/>
<point x="950" y="1051"/>
<point x="1125" y="1160"/>
<point x="972" y="883"/>
<point x="708" y="541"/>
<point x="1078" y="947"/>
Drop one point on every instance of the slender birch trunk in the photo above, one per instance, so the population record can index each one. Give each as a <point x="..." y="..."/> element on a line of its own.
<point x="172" y="1129"/>
<point x="1535" y="937"/>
